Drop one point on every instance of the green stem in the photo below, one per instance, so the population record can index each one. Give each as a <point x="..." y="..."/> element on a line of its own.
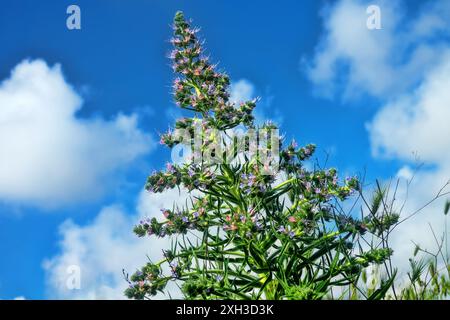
<point x="284" y="183"/>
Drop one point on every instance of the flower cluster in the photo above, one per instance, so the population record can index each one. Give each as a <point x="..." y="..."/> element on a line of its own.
<point x="376" y="256"/>
<point x="287" y="231"/>
<point x="190" y="176"/>
<point x="252" y="183"/>
<point x="200" y="87"/>
<point x="351" y="225"/>
<point x="150" y="227"/>
<point x="147" y="280"/>
<point x="292" y="152"/>
<point x="245" y="224"/>
<point x="162" y="180"/>
<point x="202" y="286"/>
<point x="379" y="224"/>
<point x="176" y="222"/>
<point x="322" y="185"/>
<point x="196" y="178"/>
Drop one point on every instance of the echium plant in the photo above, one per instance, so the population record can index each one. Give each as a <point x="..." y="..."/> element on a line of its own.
<point x="246" y="232"/>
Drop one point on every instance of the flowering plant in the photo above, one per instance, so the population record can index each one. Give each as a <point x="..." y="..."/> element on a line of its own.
<point x="248" y="232"/>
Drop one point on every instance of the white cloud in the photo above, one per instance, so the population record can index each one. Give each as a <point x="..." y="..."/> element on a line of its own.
<point x="379" y="62"/>
<point x="417" y="121"/>
<point x="49" y="156"/>
<point x="104" y="247"/>
<point x="242" y="90"/>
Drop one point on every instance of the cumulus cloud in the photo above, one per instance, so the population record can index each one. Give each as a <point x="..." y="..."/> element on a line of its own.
<point x="351" y="58"/>
<point x="417" y="121"/>
<point x="102" y="248"/>
<point x="242" y="90"/>
<point x="405" y="66"/>
<point x="48" y="155"/>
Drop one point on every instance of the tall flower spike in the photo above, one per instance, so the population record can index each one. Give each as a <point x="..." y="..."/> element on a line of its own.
<point x="200" y="87"/>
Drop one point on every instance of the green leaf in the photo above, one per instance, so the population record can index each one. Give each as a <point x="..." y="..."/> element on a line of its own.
<point x="385" y="285"/>
<point x="377" y="199"/>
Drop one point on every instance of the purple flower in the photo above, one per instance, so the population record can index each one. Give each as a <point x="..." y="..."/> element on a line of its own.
<point x="294" y="144"/>
<point x="170" y="168"/>
<point x="308" y="186"/>
<point x="185" y="219"/>
<point x="196" y="214"/>
<point x="165" y="213"/>
<point x="173" y="265"/>
<point x="173" y="54"/>
<point x="291" y="234"/>
<point x="282" y="229"/>
<point x="307" y="151"/>
<point x="211" y="89"/>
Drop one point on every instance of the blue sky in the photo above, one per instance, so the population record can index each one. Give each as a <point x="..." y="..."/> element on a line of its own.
<point x="356" y="93"/>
